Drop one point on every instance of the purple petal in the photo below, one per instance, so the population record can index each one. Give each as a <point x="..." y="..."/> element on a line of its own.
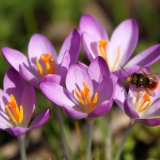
<point x="149" y="122"/>
<point x="4" y="117"/>
<point x="52" y="78"/>
<point x="14" y="57"/>
<point x="40" y="119"/>
<point x="39" y="45"/>
<point x="89" y="45"/>
<point x="13" y="84"/>
<point x="93" y="27"/>
<point x="98" y="68"/>
<point x="126" y="42"/>
<point x="64" y="67"/>
<point x="120" y="94"/>
<point x="105" y="90"/>
<point x="101" y="110"/>
<point x="28" y="101"/>
<point x="72" y="45"/>
<point x="74" y="113"/>
<point x="17" y="131"/>
<point x="129" y="110"/>
<point x="28" y="76"/>
<point x="56" y="93"/>
<point x="146" y="58"/>
<point x="75" y="78"/>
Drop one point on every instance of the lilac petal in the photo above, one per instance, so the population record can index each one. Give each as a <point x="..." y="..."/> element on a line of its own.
<point x="64" y="66"/>
<point x="52" y="78"/>
<point x="82" y="65"/>
<point x="101" y="110"/>
<point x="17" y="131"/>
<point x="72" y="45"/>
<point x="92" y="26"/>
<point x="146" y="58"/>
<point x="13" y="84"/>
<point x="4" y="99"/>
<point x="39" y="45"/>
<point x="98" y="69"/>
<point x="28" y="101"/>
<point x="126" y="42"/>
<point x="149" y="122"/>
<point x="3" y="126"/>
<point x="125" y="72"/>
<point x="4" y="118"/>
<point x="14" y="57"/>
<point x="56" y="93"/>
<point x="40" y="119"/>
<point x="120" y="94"/>
<point x="28" y="76"/>
<point x="74" y="113"/>
<point x="75" y="78"/>
<point x="129" y="110"/>
<point x="90" y="46"/>
<point x="105" y="90"/>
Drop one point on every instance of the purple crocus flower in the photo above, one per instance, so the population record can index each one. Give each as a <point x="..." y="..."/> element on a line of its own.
<point x="119" y="48"/>
<point x="43" y="59"/>
<point x="143" y="108"/>
<point x="88" y="92"/>
<point x="17" y="106"/>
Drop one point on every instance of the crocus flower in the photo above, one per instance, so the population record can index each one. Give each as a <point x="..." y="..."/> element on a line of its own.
<point x="17" y="106"/>
<point x="119" y="48"/>
<point x="88" y="92"/>
<point x="43" y="59"/>
<point x="143" y="108"/>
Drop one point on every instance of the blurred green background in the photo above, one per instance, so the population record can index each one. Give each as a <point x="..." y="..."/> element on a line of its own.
<point x="55" y="19"/>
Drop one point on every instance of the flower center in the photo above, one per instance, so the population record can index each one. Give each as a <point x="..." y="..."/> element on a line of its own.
<point x="102" y="48"/>
<point x="85" y="98"/>
<point x="142" y="103"/>
<point x="14" y="112"/>
<point x="50" y="67"/>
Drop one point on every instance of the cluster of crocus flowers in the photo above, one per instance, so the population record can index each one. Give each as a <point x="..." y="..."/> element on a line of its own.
<point x="88" y="92"/>
<point x="17" y="106"/>
<point x="42" y="59"/>
<point x="82" y="91"/>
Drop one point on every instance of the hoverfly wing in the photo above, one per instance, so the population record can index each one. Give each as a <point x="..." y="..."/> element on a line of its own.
<point x="150" y="92"/>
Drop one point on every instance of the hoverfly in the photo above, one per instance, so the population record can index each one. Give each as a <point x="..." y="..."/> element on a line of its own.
<point x="148" y="82"/>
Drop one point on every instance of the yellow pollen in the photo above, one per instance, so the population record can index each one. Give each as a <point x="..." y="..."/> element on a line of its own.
<point x="49" y="64"/>
<point x="15" y="113"/>
<point x="85" y="98"/>
<point x="102" y="48"/>
<point x="144" y="103"/>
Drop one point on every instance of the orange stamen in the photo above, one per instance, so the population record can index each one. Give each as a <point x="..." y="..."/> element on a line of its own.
<point x="49" y="63"/>
<point x="14" y="112"/>
<point x="102" y="47"/>
<point x="85" y="98"/>
<point x="144" y="103"/>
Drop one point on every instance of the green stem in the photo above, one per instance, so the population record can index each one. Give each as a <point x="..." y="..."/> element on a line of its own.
<point x="109" y="139"/>
<point x="22" y="147"/>
<point x="89" y="139"/>
<point x="124" y="140"/>
<point x="62" y="132"/>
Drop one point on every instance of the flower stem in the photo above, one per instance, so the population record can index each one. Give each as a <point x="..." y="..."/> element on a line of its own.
<point x="89" y="140"/>
<point x="62" y="132"/>
<point x="124" y="140"/>
<point x="109" y="138"/>
<point x="22" y="147"/>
